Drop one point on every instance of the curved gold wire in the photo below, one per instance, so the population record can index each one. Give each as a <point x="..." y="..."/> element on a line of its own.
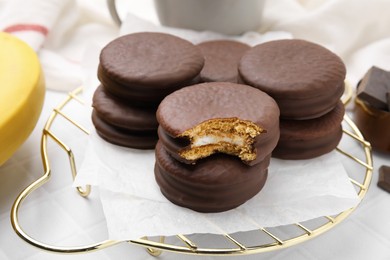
<point x="45" y="178"/>
<point x="188" y="247"/>
<point x="348" y="93"/>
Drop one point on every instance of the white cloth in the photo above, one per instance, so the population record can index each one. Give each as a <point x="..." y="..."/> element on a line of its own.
<point x="62" y="32"/>
<point x="357" y="30"/>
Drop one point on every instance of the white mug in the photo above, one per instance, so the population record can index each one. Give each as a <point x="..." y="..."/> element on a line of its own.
<point x="225" y="16"/>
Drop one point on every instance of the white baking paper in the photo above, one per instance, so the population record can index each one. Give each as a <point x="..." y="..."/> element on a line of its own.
<point x="295" y="191"/>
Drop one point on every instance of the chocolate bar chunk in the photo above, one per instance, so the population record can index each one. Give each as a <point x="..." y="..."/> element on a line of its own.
<point x="373" y="88"/>
<point x="384" y="178"/>
<point x="388" y="100"/>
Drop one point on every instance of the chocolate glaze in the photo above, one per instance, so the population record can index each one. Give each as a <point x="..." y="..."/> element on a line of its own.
<point x="122" y="114"/>
<point x="317" y="107"/>
<point x="138" y="94"/>
<point x="304" y="78"/>
<point x="217" y="183"/>
<point x="190" y="106"/>
<point x="123" y="137"/>
<point x="150" y="64"/>
<point x="305" y="139"/>
<point x="221" y="60"/>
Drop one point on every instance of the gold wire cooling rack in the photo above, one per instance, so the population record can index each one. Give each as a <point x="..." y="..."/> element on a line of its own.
<point x="276" y="237"/>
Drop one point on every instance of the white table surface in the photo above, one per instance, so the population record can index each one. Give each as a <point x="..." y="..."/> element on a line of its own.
<point x="55" y="213"/>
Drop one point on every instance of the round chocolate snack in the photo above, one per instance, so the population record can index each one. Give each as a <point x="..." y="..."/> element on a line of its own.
<point x="305" y="79"/>
<point x="147" y="66"/>
<point x="124" y="137"/>
<point x="305" y="139"/>
<point x="191" y="108"/>
<point x="214" y="184"/>
<point x="221" y="60"/>
<point x="123" y="114"/>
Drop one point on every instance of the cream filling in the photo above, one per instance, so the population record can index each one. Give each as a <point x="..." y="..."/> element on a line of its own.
<point x="223" y="135"/>
<point x="214" y="139"/>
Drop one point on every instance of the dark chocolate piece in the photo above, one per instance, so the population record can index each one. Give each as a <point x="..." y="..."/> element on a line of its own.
<point x="373" y="88"/>
<point x="384" y="178"/>
<point x="305" y="139"/>
<point x="190" y="106"/>
<point x="305" y="79"/>
<point x="217" y="183"/>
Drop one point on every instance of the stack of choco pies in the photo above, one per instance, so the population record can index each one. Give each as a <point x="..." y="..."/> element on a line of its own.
<point x="307" y="81"/>
<point x="215" y="139"/>
<point x="136" y="72"/>
<point x="215" y="145"/>
<point x="214" y="149"/>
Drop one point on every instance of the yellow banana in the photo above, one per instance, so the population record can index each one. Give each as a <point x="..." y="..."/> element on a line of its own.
<point x="22" y="91"/>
